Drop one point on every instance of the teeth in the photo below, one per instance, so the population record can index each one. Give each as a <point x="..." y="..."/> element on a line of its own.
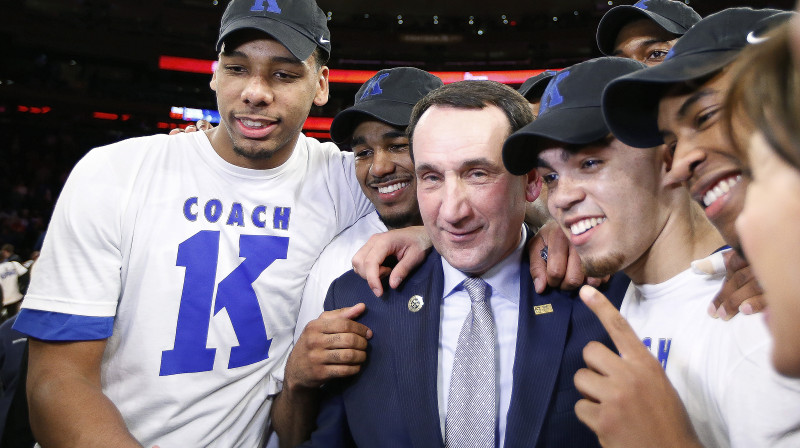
<point x="391" y="188"/>
<point x="251" y="123"/>
<point x="720" y="189"/>
<point x="585" y="224"/>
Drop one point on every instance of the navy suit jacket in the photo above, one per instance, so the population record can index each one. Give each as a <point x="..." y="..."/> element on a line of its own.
<point x="393" y="401"/>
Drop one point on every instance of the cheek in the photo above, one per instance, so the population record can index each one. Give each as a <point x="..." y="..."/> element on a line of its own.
<point x="428" y="206"/>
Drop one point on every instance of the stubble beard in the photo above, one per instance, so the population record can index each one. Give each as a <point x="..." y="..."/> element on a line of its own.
<point x="601" y="267"/>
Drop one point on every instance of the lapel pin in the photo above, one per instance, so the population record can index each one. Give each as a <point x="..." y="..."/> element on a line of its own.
<point x="538" y="309"/>
<point x="415" y="303"/>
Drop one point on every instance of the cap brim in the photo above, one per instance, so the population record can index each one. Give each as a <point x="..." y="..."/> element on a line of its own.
<point x="575" y="126"/>
<point x="300" y="45"/>
<point x="630" y="103"/>
<point x="612" y="22"/>
<point x="393" y="113"/>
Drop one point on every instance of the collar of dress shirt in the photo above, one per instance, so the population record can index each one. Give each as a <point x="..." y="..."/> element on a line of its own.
<point x="503" y="277"/>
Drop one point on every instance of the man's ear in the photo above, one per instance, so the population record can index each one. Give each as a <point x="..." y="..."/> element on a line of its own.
<point x="321" y="98"/>
<point x="213" y="82"/>
<point x="533" y="186"/>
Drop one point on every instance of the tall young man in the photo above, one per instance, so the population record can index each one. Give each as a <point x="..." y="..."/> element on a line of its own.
<point x="165" y="298"/>
<point x="624" y="208"/>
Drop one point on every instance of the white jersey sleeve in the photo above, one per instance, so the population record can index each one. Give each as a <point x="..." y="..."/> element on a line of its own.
<point x="80" y="262"/>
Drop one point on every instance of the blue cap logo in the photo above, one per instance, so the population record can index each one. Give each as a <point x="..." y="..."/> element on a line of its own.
<point x="272" y="6"/>
<point x="374" y="87"/>
<point x="641" y="4"/>
<point x="551" y="96"/>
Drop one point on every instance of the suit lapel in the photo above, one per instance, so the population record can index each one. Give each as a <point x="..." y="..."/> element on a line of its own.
<point x="417" y="349"/>
<point x="540" y="344"/>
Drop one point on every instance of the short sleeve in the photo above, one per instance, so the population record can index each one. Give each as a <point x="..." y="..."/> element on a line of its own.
<point x="79" y="269"/>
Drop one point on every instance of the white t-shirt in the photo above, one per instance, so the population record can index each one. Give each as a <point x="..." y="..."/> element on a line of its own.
<point x="200" y="265"/>
<point x="721" y="370"/>
<point x="334" y="261"/>
<point x="9" y="281"/>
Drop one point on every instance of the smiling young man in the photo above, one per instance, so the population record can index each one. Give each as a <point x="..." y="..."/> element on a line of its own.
<point x="679" y="103"/>
<point x="331" y="345"/>
<point x="625" y="208"/>
<point x="167" y="290"/>
<point x="645" y="31"/>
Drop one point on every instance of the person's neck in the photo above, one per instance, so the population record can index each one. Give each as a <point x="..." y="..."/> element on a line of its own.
<point x="687" y="236"/>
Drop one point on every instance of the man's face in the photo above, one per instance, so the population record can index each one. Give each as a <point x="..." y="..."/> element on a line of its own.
<point x="703" y="153"/>
<point x="644" y="41"/>
<point x="606" y="199"/>
<point x="386" y="173"/>
<point x="768" y="230"/>
<point x="264" y="95"/>
<point x="472" y="207"/>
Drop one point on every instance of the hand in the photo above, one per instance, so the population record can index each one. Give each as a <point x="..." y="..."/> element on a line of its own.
<point x="331" y="346"/>
<point x="628" y="400"/>
<point x="740" y="292"/>
<point x="202" y="125"/>
<point x="562" y="269"/>
<point x="408" y="245"/>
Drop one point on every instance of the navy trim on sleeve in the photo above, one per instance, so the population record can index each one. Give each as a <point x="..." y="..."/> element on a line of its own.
<point x="51" y="326"/>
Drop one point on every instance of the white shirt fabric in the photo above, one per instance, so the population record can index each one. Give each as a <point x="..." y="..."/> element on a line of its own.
<point x="456" y="305"/>
<point x="9" y="281"/>
<point x="150" y="226"/>
<point x="334" y="261"/>
<point x="721" y="370"/>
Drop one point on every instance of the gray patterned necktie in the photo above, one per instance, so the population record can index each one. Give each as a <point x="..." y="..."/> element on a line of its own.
<point x="472" y="407"/>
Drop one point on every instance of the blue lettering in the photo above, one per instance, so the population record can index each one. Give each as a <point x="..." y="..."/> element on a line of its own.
<point x="552" y="97"/>
<point x="374" y="87"/>
<point x="642" y="4"/>
<point x="235" y="294"/>
<point x="213" y="210"/>
<point x="663" y="351"/>
<point x="258" y="212"/>
<point x="280" y="219"/>
<point x="272" y="6"/>
<point x="236" y="216"/>
<point x="187" y="209"/>
<point x="646" y="342"/>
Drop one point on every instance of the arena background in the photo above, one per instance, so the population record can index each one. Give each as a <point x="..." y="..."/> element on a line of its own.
<point x="76" y="74"/>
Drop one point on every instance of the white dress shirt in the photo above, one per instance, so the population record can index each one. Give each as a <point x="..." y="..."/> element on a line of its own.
<point x="456" y="304"/>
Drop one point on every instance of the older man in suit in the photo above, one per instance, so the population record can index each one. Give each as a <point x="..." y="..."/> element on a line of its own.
<point x="465" y="352"/>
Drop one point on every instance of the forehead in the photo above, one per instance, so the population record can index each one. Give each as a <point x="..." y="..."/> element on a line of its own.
<point x="460" y="133"/>
<point x="641" y="30"/>
<point x="249" y="39"/>
<point x="370" y="128"/>
<point x="677" y="99"/>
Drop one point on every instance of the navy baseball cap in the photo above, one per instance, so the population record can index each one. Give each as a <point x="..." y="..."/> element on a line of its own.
<point x="534" y="86"/>
<point x="673" y="16"/>
<point x="389" y="96"/>
<point x="300" y="25"/>
<point x="570" y="111"/>
<point x="631" y="102"/>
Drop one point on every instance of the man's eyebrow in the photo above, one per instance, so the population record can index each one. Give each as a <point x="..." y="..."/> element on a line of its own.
<point x="359" y="140"/>
<point x="541" y="163"/>
<point x="692" y="100"/>
<point x="280" y="59"/>
<point x="394" y="134"/>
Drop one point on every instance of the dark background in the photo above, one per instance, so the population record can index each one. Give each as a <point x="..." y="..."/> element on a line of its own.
<point x="64" y="60"/>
